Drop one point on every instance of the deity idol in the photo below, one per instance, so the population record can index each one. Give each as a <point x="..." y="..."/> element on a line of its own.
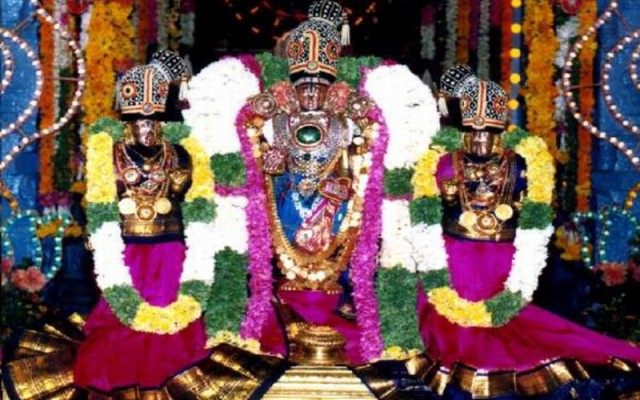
<point x="476" y="319"/>
<point x="314" y="141"/>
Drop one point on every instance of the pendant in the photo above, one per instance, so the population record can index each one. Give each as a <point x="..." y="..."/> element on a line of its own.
<point x="145" y="212"/>
<point x="158" y="175"/>
<point x="487" y="222"/>
<point x="467" y="219"/>
<point x="306" y="187"/>
<point x="127" y="206"/>
<point x="131" y="175"/>
<point x="503" y="212"/>
<point x="162" y="205"/>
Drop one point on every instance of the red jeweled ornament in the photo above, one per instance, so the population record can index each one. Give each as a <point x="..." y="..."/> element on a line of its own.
<point x="571" y="7"/>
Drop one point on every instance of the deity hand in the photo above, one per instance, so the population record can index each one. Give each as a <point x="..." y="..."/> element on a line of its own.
<point x="178" y="179"/>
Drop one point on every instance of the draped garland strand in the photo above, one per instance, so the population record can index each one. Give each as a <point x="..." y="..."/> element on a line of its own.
<point x="110" y="44"/>
<point x="587" y="16"/>
<point x="542" y="46"/>
<point x="47" y="103"/>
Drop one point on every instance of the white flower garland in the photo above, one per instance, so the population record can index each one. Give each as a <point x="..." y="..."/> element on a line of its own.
<point x="110" y="267"/>
<point x="409" y="109"/>
<point x="529" y="260"/>
<point x="429" y="252"/>
<point x="412" y="118"/>
<point x="199" y="263"/>
<point x="231" y="223"/>
<point x="212" y="115"/>
<point x="565" y="34"/>
<point x="108" y="256"/>
<point x="396" y="246"/>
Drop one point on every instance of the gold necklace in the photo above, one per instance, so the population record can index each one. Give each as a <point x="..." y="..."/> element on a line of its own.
<point x="147" y="162"/>
<point x="147" y="199"/>
<point x="487" y="208"/>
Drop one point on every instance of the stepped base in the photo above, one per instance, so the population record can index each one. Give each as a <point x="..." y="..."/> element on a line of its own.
<point x="319" y="383"/>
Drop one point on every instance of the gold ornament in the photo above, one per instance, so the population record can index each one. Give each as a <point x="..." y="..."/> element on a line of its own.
<point x="467" y="219"/>
<point x="504" y="212"/>
<point x="487" y="222"/>
<point x="162" y="205"/>
<point x="127" y="206"/>
<point x="145" y="212"/>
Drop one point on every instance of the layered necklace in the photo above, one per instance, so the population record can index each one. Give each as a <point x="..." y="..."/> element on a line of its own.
<point x="146" y="186"/>
<point x="485" y="191"/>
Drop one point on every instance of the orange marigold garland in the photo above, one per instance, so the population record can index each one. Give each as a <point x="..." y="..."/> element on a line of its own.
<point x="539" y="89"/>
<point x="110" y="44"/>
<point x="464" y="31"/>
<point x="587" y="16"/>
<point x="47" y="103"/>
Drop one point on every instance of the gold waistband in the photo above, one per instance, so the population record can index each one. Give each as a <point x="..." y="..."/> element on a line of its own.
<point x="453" y="228"/>
<point x="135" y="227"/>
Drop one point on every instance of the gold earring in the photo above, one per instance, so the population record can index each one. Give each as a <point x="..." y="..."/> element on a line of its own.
<point x="129" y="138"/>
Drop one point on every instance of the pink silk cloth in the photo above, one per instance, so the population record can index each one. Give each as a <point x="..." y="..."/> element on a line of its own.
<point x="317" y="308"/>
<point x="478" y="271"/>
<point x="115" y="356"/>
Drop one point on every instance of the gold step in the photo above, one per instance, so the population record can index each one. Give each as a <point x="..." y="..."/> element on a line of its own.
<point x="319" y="383"/>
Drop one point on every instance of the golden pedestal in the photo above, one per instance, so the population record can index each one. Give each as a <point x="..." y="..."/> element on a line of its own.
<point x="310" y="382"/>
<point x="321" y="374"/>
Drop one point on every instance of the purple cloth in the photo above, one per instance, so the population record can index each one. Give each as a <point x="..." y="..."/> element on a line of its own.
<point x="478" y="271"/>
<point x="114" y="355"/>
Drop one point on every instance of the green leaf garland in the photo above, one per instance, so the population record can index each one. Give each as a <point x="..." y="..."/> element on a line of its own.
<point x="174" y="132"/>
<point x="228" y="295"/>
<point x="112" y="126"/>
<point x="504" y="306"/>
<point x="535" y="215"/>
<point x="425" y="210"/>
<point x="199" y="210"/>
<point x="101" y="213"/>
<point x="229" y="169"/>
<point x="397" y="181"/>
<point x="396" y="293"/>
<point x="449" y="138"/>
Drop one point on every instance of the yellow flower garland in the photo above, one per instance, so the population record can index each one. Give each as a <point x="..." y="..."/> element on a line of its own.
<point x="203" y="179"/>
<point x="101" y="178"/>
<point x="424" y="178"/>
<point x="167" y="320"/>
<point x="52" y="227"/>
<point x="458" y="310"/>
<point x="229" y="337"/>
<point x="398" y="353"/>
<point x="540" y="169"/>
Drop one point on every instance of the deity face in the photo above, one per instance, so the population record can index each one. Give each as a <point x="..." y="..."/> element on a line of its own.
<point x="311" y="95"/>
<point x="482" y="143"/>
<point x="146" y="132"/>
